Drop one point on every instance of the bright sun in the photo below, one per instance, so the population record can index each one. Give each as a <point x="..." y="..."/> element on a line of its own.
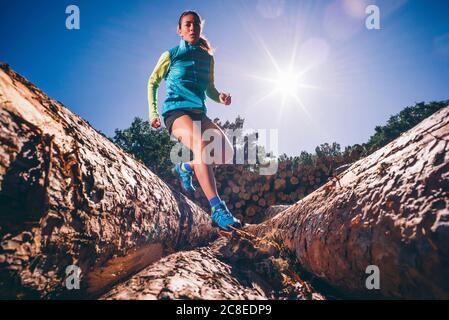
<point x="287" y="84"/>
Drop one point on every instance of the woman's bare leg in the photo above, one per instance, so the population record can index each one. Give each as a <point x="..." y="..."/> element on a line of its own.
<point x="227" y="151"/>
<point x="183" y="130"/>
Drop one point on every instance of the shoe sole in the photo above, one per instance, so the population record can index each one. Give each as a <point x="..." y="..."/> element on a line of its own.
<point x="239" y="225"/>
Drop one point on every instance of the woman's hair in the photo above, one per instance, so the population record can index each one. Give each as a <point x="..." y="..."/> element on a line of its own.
<point x="203" y="42"/>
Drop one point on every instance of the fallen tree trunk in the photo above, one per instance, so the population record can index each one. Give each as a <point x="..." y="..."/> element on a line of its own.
<point x="196" y="274"/>
<point x="272" y="211"/>
<point x="237" y="268"/>
<point x="389" y="210"/>
<point x="69" y="196"/>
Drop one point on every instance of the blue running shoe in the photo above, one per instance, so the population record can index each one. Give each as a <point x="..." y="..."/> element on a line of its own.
<point x="186" y="178"/>
<point x="222" y="218"/>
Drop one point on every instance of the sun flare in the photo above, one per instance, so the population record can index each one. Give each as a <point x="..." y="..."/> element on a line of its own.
<point x="287" y="84"/>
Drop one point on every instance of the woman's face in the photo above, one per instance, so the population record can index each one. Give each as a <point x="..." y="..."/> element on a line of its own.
<point x="190" y="29"/>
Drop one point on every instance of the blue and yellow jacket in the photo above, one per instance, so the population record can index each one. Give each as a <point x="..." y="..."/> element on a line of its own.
<point x="188" y="71"/>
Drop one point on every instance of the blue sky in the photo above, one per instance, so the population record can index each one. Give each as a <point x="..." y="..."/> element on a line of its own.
<point x="352" y="78"/>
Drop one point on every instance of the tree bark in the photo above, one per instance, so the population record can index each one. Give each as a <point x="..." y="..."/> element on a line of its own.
<point x="389" y="209"/>
<point x="272" y="211"/>
<point x="236" y="268"/>
<point x="196" y="274"/>
<point x="69" y="196"/>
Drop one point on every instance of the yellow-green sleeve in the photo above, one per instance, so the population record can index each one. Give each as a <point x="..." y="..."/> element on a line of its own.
<point x="159" y="73"/>
<point x="211" y="91"/>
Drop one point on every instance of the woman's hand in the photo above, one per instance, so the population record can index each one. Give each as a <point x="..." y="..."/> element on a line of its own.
<point x="225" y="98"/>
<point x="156" y="123"/>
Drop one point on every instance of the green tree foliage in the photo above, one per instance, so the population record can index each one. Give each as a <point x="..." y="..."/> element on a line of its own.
<point x="399" y="123"/>
<point x="237" y="124"/>
<point x="327" y="150"/>
<point x="332" y="156"/>
<point x="305" y="158"/>
<point x="151" y="146"/>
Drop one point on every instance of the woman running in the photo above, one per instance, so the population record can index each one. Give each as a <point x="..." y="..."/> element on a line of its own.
<point x="188" y="71"/>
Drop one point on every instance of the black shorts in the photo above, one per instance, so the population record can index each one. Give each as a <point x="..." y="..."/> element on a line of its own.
<point x="172" y="115"/>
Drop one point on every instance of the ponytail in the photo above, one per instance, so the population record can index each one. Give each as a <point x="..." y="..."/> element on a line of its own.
<point x="205" y="45"/>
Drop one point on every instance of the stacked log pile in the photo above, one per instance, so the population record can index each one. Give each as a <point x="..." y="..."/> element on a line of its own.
<point x="249" y="194"/>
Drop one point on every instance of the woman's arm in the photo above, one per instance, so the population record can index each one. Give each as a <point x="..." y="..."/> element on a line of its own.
<point x="159" y="72"/>
<point x="211" y="91"/>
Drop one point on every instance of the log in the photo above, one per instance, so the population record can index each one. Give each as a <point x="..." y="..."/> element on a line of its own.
<point x="227" y="191"/>
<point x="233" y="269"/>
<point x="251" y="211"/>
<point x="390" y="210"/>
<point x="271" y="211"/>
<point x="294" y="180"/>
<point x="199" y="274"/>
<point x="69" y="196"/>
